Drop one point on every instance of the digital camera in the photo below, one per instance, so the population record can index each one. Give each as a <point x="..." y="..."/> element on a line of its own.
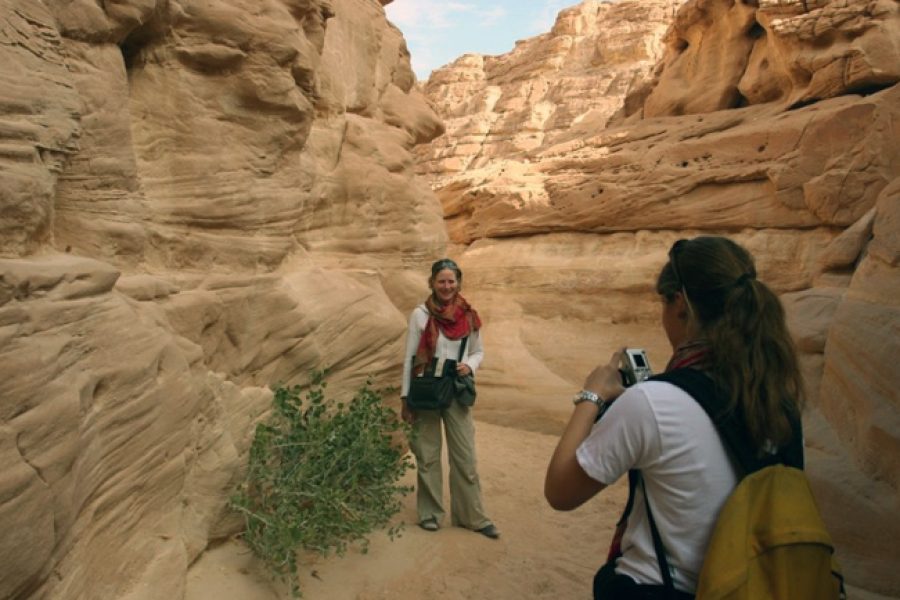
<point x="635" y="367"/>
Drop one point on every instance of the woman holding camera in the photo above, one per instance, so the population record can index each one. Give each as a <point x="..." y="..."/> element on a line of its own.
<point x="439" y="329"/>
<point x="724" y="323"/>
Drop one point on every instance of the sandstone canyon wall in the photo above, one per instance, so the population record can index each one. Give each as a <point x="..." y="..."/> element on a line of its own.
<point x="198" y="199"/>
<point x="775" y="123"/>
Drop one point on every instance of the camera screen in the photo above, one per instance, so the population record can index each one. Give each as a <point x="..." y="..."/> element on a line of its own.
<point x="639" y="360"/>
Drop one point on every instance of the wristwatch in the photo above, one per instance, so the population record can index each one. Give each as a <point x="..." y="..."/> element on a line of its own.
<point x="588" y="396"/>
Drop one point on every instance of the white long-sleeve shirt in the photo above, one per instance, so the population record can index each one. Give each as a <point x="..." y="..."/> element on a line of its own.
<point x="445" y="349"/>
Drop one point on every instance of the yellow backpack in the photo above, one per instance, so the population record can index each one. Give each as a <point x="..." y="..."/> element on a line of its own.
<point x="769" y="541"/>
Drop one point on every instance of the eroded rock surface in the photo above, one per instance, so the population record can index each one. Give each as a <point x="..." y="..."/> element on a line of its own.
<point x="198" y="200"/>
<point x="571" y="78"/>
<point x="201" y="198"/>
<point x="773" y="124"/>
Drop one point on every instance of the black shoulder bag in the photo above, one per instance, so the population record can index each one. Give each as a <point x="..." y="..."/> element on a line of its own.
<point x="435" y="391"/>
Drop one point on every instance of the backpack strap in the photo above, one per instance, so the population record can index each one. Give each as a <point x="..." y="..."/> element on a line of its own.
<point x="634" y="478"/>
<point x="729" y="423"/>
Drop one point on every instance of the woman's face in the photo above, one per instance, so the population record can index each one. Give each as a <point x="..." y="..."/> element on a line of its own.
<point x="445" y="285"/>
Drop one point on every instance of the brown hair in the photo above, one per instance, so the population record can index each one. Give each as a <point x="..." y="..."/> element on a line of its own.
<point x="445" y="263"/>
<point x="753" y="355"/>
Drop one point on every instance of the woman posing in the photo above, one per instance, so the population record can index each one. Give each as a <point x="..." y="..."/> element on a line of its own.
<point x="437" y="330"/>
<point x="723" y="322"/>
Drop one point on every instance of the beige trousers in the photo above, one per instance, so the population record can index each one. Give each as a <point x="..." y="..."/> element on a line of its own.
<point x="466" y="509"/>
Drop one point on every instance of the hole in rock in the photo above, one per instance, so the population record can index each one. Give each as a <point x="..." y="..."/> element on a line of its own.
<point x="869" y="89"/>
<point x="756" y="31"/>
<point x="735" y="99"/>
<point x="135" y="42"/>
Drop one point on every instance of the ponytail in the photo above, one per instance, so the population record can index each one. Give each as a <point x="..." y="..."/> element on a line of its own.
<point x="752" y="354"/>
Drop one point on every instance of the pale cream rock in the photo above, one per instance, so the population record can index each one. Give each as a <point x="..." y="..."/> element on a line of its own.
<point x="571" y="78"/>
<point x="790" y="51"/>
<point x="39" y="123"/>
<point x="200" y="199"/>
<point x="240" y="175"/>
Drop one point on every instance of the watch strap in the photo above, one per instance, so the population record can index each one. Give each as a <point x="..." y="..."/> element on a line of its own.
<point x="588" y="396"/>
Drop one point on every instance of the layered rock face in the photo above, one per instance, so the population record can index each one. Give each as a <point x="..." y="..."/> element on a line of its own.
<point x="573" y="77"/>
<point x="773" y="124"/>
<point x="199" y="199"/>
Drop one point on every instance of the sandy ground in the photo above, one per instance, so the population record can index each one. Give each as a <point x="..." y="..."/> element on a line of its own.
<point x="541" y="553"/>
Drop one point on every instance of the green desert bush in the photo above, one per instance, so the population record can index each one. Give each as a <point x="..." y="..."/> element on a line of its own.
<point x="321" y="477"/>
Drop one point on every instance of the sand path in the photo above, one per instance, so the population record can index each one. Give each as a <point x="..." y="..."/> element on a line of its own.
<point x="541" y="553"/>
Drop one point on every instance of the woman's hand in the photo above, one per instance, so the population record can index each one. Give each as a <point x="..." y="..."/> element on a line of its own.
<point x="406" y="414"/>
<point x="605" y="380"/>
<point x="463" y="369"/>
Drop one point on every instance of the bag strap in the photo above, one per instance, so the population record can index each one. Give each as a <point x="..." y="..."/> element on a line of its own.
<point x="462" y="351"/>
<point x="702" y="389"/>
<point x="634" y="478"/>
<point x="658" y="546"/>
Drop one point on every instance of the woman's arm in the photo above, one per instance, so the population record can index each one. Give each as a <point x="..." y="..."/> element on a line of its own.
<point x="474" y="354"/>
<point x="413" y="334"/>
<point x="566" y="485"/>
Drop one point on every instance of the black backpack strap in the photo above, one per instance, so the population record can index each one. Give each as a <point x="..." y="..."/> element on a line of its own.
<point x="734" y="435"/>
<point x="729" y="423"/>
<point x="703" y="390"/>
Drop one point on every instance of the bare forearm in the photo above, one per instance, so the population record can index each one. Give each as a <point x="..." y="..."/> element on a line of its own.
<point x="567" y="486"/>
<point x="577" y="429"/>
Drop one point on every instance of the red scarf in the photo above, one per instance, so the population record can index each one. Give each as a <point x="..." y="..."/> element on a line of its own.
<point x="455" y="320"/>
<point x="694" y="354"/>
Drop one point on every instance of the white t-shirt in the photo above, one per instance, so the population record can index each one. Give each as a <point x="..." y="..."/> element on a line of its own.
<point x="658" y="428"/>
